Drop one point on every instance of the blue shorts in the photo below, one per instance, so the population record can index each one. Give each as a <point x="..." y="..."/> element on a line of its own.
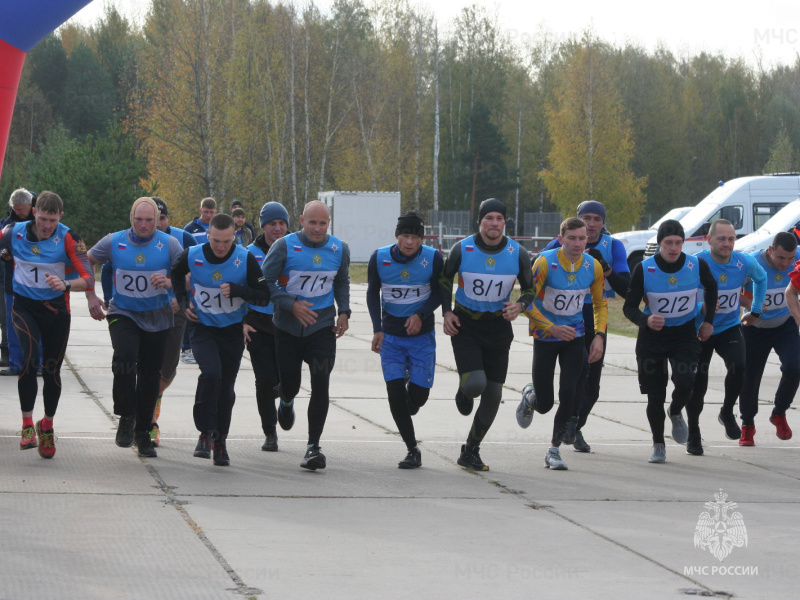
<point x="416" y="354"/>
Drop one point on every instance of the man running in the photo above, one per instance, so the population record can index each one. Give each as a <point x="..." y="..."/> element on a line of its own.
<point x="668" y="284"/>
<point x="731" y="269"/>
<point x="259" y="330"/>
<point x="487" y="264"/>
<point x="777" y="329"/>
<point x="402" y="295"/>
<point x="610" y="253"/>
<point x="223" y="277"/>
<point x="139" y="318"/>
<point x="306" y="273"/>
<point x="562" y="278"/>
<point x="48" y="255"/>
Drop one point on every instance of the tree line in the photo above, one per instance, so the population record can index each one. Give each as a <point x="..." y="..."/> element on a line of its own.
<point x="257" y="101"/>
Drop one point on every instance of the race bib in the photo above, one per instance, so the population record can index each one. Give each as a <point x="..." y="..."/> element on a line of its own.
<point x="33" y="274"/>
<point x="487" y="288"/>
<point x="405" y="294"/>
<point x="310" y="284"/>
<point x="136" y="284"/>
<point x="774" y="299"/>
<point x="672" y="304"/>
<point x="564" y="302"/>
<point x="728" y="301"/>
<point x="211" y="301"/>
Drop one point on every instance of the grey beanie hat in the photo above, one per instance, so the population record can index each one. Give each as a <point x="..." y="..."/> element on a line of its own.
<point x="273" y="210"/>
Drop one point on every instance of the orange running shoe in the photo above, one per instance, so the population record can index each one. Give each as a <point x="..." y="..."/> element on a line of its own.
<point x="47" y="441"/>
<point x="28" y="438"/>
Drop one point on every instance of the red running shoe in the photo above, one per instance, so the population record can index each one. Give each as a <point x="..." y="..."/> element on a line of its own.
<point x="47" y="441"/>
<point x="28" y="439"/>
<point x="748" y="431"/>
<point x="784" y="432"/>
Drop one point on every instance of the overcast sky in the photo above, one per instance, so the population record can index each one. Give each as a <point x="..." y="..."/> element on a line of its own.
<point x="768" y="31"/>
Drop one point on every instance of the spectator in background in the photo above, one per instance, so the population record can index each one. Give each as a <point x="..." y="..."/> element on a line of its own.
<point x="243" y="236"/>
<point x="238" y="204"/>
<point x="21" y="203"/>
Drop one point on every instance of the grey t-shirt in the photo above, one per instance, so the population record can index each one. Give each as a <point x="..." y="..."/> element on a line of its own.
<point x="148" y="320"/>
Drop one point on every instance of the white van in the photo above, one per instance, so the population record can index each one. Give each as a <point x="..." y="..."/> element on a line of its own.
<point x="635" y="242"/>
<point x="786" y="219"/>
<point x="747" y="202"/>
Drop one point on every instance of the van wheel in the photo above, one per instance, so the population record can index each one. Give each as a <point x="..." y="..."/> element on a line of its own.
<point x="634" y="259"/>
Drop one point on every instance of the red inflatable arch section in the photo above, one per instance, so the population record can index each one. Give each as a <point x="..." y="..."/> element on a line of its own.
<point x="23" y="24"/>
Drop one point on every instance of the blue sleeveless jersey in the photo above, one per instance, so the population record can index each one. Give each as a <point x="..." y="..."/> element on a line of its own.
<point x="211" y="307"/>
<point x="730" y="280"/>
<point x="309" y="272"/>
<point x="775" y="301"/>
<point x="564" y="293"/>
<point x="672" y="295"/>
<point x="35" y="260"/>
<point x="405" y="287"/>
<point x="133" y="266"/>
<point x="260" y="256"/>
<point x="485" y="280"/>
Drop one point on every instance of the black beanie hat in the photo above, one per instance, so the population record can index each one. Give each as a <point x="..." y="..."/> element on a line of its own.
<point x="489" y="206"/>
<point x="668" y="228"/>
<point x="410" y="222"/>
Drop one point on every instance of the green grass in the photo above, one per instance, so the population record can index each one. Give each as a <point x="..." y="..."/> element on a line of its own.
<point x="617" y="323"/>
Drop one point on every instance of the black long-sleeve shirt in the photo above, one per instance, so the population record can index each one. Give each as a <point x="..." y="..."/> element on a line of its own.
<point x="254" y="292"/>
<point x="636" y="290"/>
<point x="453" y="264"/>
<point x="396" y="325"/>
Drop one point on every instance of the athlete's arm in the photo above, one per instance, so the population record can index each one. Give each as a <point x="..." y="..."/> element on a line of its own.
<point x="633" y="299"/>
<point x="341" y="284"/>
<point x="271" y="268"/>
<point x="709" y="283"/>
<point x="451" y="267"/>
<point x="620" y="276"/>
<point x="539" y="276"/>
<point x="599" y="300"/>
<point x="758" y="276"/>
<point x="525" y="278"/>
<point x="374" y="293"/>
<point x="435" y="299"/>
<point x="178" y="276"/>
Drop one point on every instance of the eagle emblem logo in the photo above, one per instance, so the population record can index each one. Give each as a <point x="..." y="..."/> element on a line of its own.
<point x="720" y="529"/>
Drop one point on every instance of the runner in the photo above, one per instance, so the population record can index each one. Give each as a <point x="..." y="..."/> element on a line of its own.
<point x="306" y="272"/>
<point x="47" y="254"/>
<point x="610" y="253"/>
<point x="668" y="284"/>
<point x="775" y="330"/>
<point x="730" y="268"/>
<point x="487" y="264"/>
<point x="562" y="278"/>
<point x="223" y="277"/>
<point x="259" y="331"/>
<point x="402" y="296"/>
<point x="139" y="318"/>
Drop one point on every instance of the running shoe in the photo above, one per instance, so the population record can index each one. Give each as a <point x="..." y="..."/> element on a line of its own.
<point x="203" y="448"/>
<point x="286" y="414"/>
<point x="680" y="431"/>
<point x="694" y="444"/>
<point x="124" y="437"/>
<point x="221" y="458"/>
<point x="155" y="435"/>
<point x="28" y="439"/>
<point x="526" y="406"/>
<point x="412" y="460"/>
<point x="568" y="437"/>
<point x="187" y="356"/>
<point x="314" y="459"/>
<point x="783" y="431"/>
<point x="471" y="458"/>
<point x="659" y="454"/>
<point x="47" y="441"/>
<point x="553" y="461"/>
<point x="748" y="433"/>
<point x="464" y="404"/>
<point x="144" y="445"/>
<point x="580" y="444"/>
<point x="728" y="421"/>
<point x="271" y="442"/>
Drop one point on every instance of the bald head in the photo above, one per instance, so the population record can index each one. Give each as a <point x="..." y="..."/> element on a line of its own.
<point x="315" y="220"/>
